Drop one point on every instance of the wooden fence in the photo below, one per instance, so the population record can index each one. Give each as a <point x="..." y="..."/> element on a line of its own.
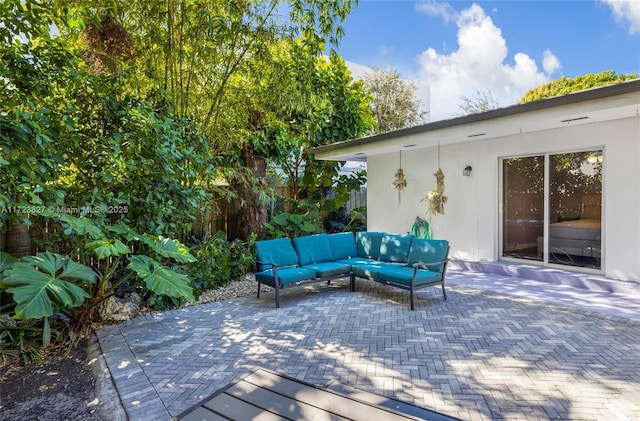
<point x="214" y="219"/>
<point x="358" y="198"/>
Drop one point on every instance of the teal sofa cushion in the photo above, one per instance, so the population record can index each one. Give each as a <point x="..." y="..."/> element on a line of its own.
<point x="343" y="245"/>
<point x="356" y="261"/>
<point x="372" y="269"/>
<point x="428" y="251"/>
<point x="313" y="249"/>
<point x="395" y="247"/>
<point x="402" y="275"/>
<point x="329" y="269"/>
<point x="286" y="276"/>
<point x="368" y="244"/>
<point x="278" y="251"/>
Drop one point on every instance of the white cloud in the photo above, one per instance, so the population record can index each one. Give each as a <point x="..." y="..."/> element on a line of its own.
<point x="479" y="63"/>
<point x="627" y="12"/>
<point x="550" y="62"/>
<point x="386" y="50"/>
<point x="445" y="10"/>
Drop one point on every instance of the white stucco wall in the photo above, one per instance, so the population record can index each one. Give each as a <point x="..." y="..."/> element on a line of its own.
<point x="471" y="219"/>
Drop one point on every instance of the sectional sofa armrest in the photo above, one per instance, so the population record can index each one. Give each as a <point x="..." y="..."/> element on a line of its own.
<point x="421" y="265"/>
<point x="274" y="266"/>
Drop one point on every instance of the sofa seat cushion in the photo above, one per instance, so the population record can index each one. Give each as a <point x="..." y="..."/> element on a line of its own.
<point x="343" y="245"/>
<point x="279" y="251"/>
<point x="395" y="247"/>
<point x="356" y="261"/>
<point x="329" y="269"/>
<point x="286" y="276"/>
<point x="313" y="249"/>
<point x="428" y="251"/>
<point x="368" y="244"/>
<point x="372" y="269"/>
<point x="402" y="275"/>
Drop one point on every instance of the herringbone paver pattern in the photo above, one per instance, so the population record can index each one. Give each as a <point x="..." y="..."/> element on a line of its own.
<point x="477" y="356"/>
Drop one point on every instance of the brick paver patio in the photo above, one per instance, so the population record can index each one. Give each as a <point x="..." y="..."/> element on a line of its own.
<point x="481" y="355"/>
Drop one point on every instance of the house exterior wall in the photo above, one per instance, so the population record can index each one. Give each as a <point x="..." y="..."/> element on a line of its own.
<point x="472" y="213"/>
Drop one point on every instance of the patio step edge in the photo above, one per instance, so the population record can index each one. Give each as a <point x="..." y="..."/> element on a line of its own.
<point x="556" y="276"/>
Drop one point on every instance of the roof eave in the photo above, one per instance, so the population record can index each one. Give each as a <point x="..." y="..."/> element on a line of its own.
<point x="592" y="94"/>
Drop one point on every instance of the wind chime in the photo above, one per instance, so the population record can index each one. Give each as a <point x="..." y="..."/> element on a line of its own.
<point x="400" y="182"/>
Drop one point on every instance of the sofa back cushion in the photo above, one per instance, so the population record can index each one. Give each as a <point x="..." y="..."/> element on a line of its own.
<point x="343" y="245"/>
<point x="368" y="244"/>
<point x="428" y="251"/>
<point x="313" y="249"/>
<point x="278" y="251"/>
<point x="395" y="247"/>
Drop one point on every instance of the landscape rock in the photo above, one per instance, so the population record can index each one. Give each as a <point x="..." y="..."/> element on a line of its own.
<point x="116" y="309"/>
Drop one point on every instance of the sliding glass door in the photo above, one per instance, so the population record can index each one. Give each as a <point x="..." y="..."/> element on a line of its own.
<point x="523" y="201"/>
<point x="552" y="208"/>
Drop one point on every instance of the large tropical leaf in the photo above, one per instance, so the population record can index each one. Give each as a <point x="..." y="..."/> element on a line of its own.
<point x="6" y="261"/>
<point x="40" y="283"/>
<point x="107" y="247"/>
<point x="161" y="279"/>
<point x="80" y="226"/>
<point x="173" y="249"/>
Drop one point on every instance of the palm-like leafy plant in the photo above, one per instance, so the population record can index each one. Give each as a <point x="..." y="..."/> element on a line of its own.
<point x="46" y="281"/>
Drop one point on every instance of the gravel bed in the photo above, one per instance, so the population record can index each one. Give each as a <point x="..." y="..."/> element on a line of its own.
<point x="247" y="285"/>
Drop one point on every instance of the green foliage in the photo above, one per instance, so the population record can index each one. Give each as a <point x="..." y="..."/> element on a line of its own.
<point x="161" y="279"/>
<point x="139" y="164"/>
<point x="34" y="114"/>
<point x="333" y="107"/>
<point x="122" y="148"/>
<point x="46" y="281"/>
<point x="220" y="261"/>
<point x="26" y="341"/>
<point x="50" y="281"/>
<point x="294" y="225"/>
<point x="566" y="85"/>
<point x="344" y="220"/>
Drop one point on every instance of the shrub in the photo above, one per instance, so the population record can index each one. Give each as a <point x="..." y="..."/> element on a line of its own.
<point x="220" y="261"/>
<point x="344" y="220"/>
<point x="294" y="225"/>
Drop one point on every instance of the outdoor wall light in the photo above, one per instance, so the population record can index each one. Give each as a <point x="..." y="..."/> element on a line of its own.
<point x="467" y="171"/>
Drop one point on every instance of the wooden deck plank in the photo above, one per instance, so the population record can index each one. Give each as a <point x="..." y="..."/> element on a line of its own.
<point x="235" y="409"/>
<point x="285" y="406"/>
<point x="202" y="414"/>
<point x="323" y="399"/>
<point x="404" y="407"/>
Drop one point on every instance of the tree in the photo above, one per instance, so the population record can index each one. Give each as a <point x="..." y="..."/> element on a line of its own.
<point x="301" y="101"/>
<point x="479" y="102"/>
<point x="210" y="60"/>
<point x="96" y="165"/>
<point x="395" y="104"/>
<point x="566" y="85"/>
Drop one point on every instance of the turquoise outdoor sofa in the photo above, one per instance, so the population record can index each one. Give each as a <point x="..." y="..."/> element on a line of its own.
<point x="399" y="260"/>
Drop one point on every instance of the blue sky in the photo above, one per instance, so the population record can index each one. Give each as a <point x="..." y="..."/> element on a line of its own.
<point x="502" y="47"/>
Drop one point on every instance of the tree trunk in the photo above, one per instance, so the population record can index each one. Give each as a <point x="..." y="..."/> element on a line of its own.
<point x="18" y="239"/>
<point x="249" y="217"/>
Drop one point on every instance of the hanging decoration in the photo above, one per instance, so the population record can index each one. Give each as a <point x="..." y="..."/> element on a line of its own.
<point x="400" y="182"/>
<point x="436" y="197"/>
